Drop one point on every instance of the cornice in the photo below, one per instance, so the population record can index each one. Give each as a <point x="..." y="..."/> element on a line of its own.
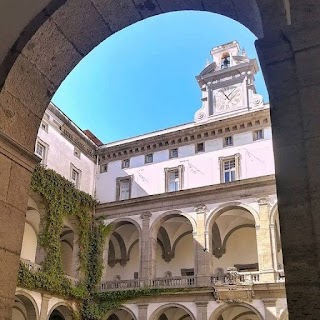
<point x="206" y="131"/>
<point x="245" y="188"/>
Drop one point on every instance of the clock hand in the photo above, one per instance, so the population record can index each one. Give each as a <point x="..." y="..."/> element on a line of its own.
<point x="226" y="96"/>
<point x="232" y="92"/>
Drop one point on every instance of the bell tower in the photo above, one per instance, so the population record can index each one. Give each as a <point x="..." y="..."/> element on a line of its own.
<point x="227" y="84"/>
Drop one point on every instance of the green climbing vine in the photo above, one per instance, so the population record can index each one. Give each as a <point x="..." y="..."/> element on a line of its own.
<point x="63" y="200"/>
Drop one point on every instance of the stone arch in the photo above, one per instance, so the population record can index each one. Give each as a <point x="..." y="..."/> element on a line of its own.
<point x="166" y="215"/>
<point x="223" y="307"/>
<point x="123" y="308"/>
<point x="273" y="213"/>
<point x="227" y="236"/>
<point x="29" y="303"/>
<point x="214" y="214"/>
<point x="165" y="307"/>
<point x="63" y="308"/>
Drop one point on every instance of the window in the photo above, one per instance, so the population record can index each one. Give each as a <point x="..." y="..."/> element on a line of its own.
<point x="75" y="176"/>
<point x="228" y="141"/>
<point x="104" y="168"/>
<point x="173" y="153"/>
<point x="77" y="152"/>
<point x="173" y="177"/>
<point x="258" y="135"/>
<point x="123" y="188"/>
<point x="148" y="158"/>
<point x="200" y="147"/>
<point x="41" y="151"/>
<point x="225" y="61"/>
<point x="125" y="163"/>
<point x="229" y="167"/>
<point x="44" y="126"/>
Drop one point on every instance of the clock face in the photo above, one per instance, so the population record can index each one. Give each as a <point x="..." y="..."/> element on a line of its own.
<point x="227" y="99"/>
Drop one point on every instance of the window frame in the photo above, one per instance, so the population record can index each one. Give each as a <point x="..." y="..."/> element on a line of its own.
<point x="118" y="184"/>
<point x="255" y="136"/>
<point x="123" y="166"/>
<point x="225" y="139"/>
<point x="74" y="168"/>
<point x="197" y="145"/>
<point x="77" y="152"/>
<point x="46" y="126"/>
<point x="146" y="157"/>
<point x="167" y="172"/>
<point x="104" y="165"/>
<point x="171" y="153"/>
<point x="45" y="155"/>
<point x="223" y="160"/>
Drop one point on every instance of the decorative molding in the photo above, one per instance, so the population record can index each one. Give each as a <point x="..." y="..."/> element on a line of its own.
<point x="201" y="208"/>
<point x="146" y="215"/>
<point x="263" y="201"/>
<point x="207" y="131"/>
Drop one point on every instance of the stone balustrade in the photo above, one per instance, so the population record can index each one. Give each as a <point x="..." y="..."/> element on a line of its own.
<point x="238" y="278"/>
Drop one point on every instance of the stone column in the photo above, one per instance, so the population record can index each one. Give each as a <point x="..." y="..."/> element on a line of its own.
<point x="146" y="246"/>
<point x="264" y="245"/>
<point x="201" y="310"/>
<point x="16" y="165"/>
<point x="201" y="252"/>
<point x="290" y="63"/>
<point x="44" y="307"/>
<point x="143" y="311"/>
<point x="274" y="246"/>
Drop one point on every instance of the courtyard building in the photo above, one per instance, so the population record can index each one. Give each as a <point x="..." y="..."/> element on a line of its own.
<point x="192" y="209"/>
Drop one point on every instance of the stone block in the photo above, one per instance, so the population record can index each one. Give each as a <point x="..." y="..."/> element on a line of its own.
<point x="26" y="83"/>
<point x="82" y="24"/>
<point x="19" y="185"/>
<point x="17" y="121"/>
<point x="8" y="275"/>
<point x="177" y="5"/>
<point x="6" y="305"/>
<point x="12" y="223"/>
<point x="118" y="13"/>
<point x="5" y="165"/>
<point x="147" y="8"/>
<point x="52" y="53"/>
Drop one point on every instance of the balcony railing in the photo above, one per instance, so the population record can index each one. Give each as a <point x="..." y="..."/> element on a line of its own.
<point x="238" y="278"/>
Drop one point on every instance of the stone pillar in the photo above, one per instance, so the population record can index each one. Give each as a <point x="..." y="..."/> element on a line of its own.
<point x="44" y="307"/>
<point x="146" y="246"/>
<point x="16" y="165"/>
<point x="264" y="245"/>
<point x="270" y="309"/>
<point x="201" y="310"/>
<point x="143" y="311"/>
<point x="290" y="63"/>
<point x="201" y="252"/>
<point x="274" y="246"/>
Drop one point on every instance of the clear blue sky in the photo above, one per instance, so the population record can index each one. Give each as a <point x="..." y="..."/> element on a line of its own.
<point x="142" y="78"/>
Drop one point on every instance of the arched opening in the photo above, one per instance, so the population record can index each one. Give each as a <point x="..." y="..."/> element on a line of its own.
<point x="122" y="314"/>
<point x="236" y="312"/>
<point x="123" y="264"/>
<point x="174" y="253"/>
<point x="61" y="312"/>
<point x="172" y="312"/>
<point x="233" y="242"/>
<point x="30" y="235"/>
<point x="24" y="308"/>
<point x="67" y="247"/>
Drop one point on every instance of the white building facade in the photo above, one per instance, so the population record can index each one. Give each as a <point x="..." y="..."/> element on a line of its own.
<point x="193" y="208"/>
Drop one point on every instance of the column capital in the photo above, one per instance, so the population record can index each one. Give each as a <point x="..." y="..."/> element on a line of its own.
<point x="201" y="208"/>
<point x="201" y="304"/>
<point x="269" y="302"/>
<point x="263" y="201"/>
<point x="146" y="215"/>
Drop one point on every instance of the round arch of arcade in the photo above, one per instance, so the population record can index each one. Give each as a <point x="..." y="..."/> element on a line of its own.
<point x="31" y="301"/>
<point x="216" y="213"/>
<point x="123" y="308"/>
<point x="65" y="309"/>
<point x="273" y="213"/>
<point x="157" y="313"/>
<point x="225" y="306"/>
<point x="166" y="215"/>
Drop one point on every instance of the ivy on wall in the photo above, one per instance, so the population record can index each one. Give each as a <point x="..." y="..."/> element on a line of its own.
<point x="63" y="200"/>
